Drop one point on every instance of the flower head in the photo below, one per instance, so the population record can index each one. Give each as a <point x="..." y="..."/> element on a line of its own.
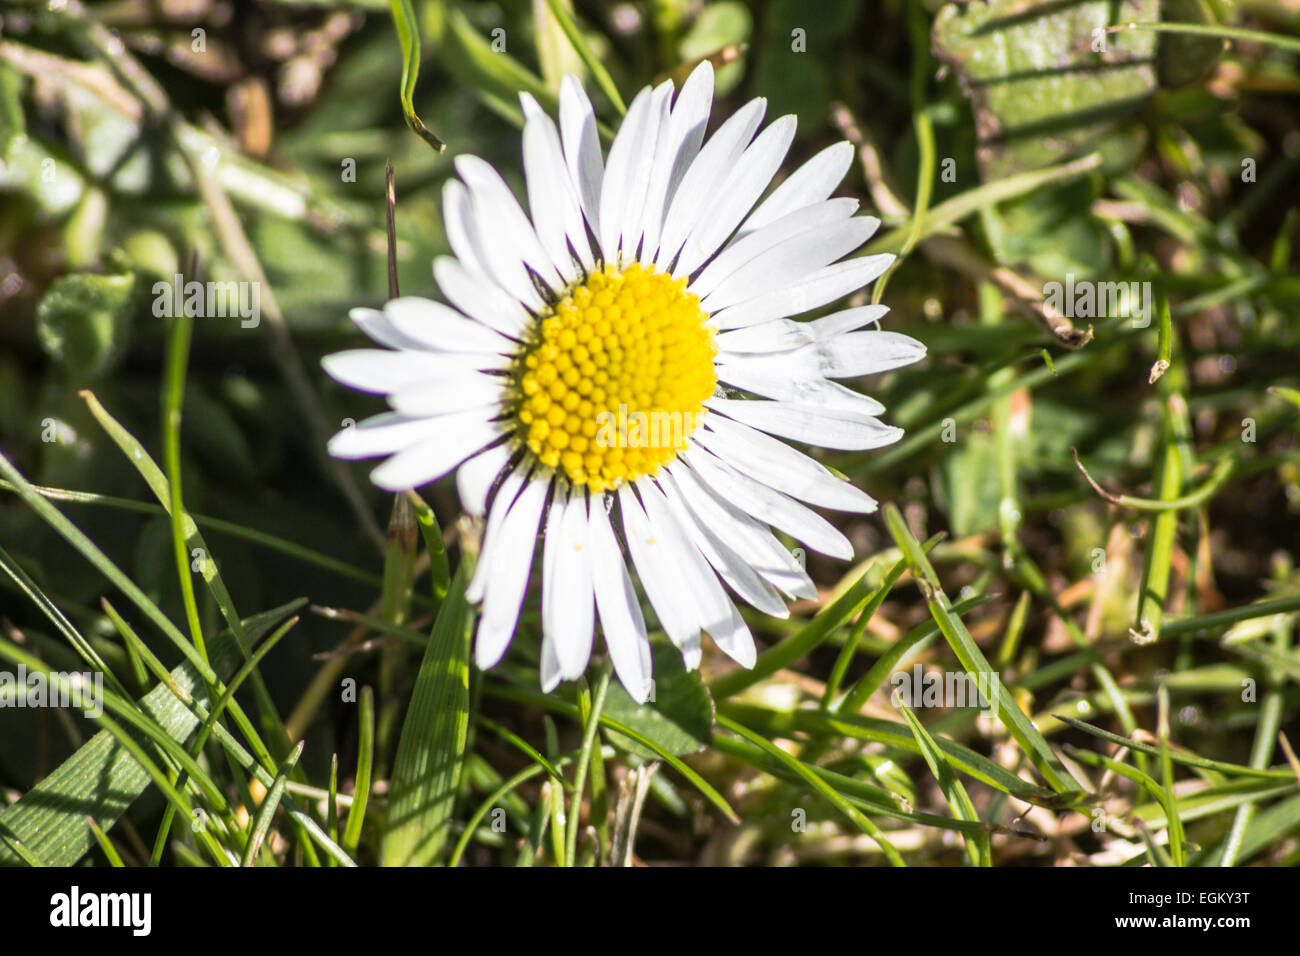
<point x="614" y="366"/>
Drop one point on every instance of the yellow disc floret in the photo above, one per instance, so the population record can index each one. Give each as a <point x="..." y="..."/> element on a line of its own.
<point x="614" y="379"/>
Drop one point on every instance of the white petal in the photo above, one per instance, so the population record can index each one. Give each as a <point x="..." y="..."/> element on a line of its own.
<point x="812" y="182"/>
<point x="789" y="262"/>
<point x="783" y="335"/>
<point x="458" y="437"/>
<point x="776" y="464"/>
<point x="741" y="251"/>
<point x="808" y="424"/>
<point x="751" y="540"/>
<point x="443" y="329"/>
<point x="504" y="591"/>
<point x="382" y="371"/>
<point x="749" y="178"/>
<point x="730" y="566"/>
<point x="502" y="235"/>
<point x="505" y="497"/>
<point x="769" y="505"/>
<point x="581" y="147"/>
<point x="480" y="298"/>
<point x="660" y="578"/>
<point x="455" y="394"/>
<point x="734" y="638"/>
<point x="843" y="356"/>
<point x="814" y="291"/>
<point x="381" y="435"/>
<point x="620" y="612"/>
<point x="678" y="145"/>
<point x="458" y="221"/>
<point x="552" y="197"/>
<point x="714" y="610"/>
<point x="568" y="614"/>
<point x="857" y="353"/>
<point x="765" y="375"/>
<point x="374" y="324"/>
<point x="706" y="177"/>
<point x="474" y="478"/>
<point x="627" y="173"/>
<point x="549" y="674"/>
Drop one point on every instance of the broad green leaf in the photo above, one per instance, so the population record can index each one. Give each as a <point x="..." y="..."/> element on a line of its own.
<point x="679" y="718"/>
<point x="1044" y="79"/>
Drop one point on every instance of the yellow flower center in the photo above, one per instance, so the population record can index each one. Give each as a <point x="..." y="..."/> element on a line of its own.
<point x="614" y="381"/>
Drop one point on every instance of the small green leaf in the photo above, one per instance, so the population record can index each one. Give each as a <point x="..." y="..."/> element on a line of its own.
<point x="82" y="321"/>
<point x="719" y="25"/>
<point x="679" y="718"/>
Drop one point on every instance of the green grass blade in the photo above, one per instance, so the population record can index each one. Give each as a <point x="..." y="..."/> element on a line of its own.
<point x="857" y="598"/>
<point x="1218" y="32"/>
<point x="266" y="812"/>
<point x="105" y="844"/>
<point x="564" y="17"/>
<point x="829" y="793"/>
<point x="915" y="639"/>
<point x="1176" y="840"/>
<point x="167" y="490"/>
<point x="408" y="36"/>
<point x="178" y="350"/>
<point x="977" y="850"/>
<point x="365" y="766"/>
<point x="101" y="779"/>
<point x="591" y="707"/>
<point x="251" y="535"/>
<point x="973" y="660"/>
<point x="557" y="705"/>
<point x="431" y="748"/>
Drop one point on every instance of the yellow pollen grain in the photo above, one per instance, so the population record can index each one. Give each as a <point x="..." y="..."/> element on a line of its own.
<point x="614" y="381"/>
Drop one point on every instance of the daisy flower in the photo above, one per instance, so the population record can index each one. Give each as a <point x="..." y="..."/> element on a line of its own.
<point x="616" y="369"/>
